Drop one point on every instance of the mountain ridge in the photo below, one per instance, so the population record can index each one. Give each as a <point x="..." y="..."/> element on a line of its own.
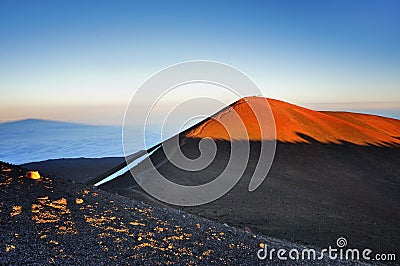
<point x="37" y="121"/>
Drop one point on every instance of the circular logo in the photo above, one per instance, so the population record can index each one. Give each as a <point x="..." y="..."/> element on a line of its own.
<point x="341" y="242"/>
<point x="195" y="99"/>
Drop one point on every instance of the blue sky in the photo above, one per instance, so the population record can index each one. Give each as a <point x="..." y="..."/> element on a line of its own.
<point x="82" y="60"/>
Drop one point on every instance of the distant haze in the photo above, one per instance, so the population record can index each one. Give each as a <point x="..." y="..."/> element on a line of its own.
<point x="113" y="115"/>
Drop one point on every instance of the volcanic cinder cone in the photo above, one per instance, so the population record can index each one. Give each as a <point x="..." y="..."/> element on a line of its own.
<point x="334" y="174"/>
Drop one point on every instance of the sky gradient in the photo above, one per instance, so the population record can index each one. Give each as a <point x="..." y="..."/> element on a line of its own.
<point x="82" y="60"/>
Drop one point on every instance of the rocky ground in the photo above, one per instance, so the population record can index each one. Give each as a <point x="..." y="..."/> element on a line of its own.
<point x="57" y="221"/>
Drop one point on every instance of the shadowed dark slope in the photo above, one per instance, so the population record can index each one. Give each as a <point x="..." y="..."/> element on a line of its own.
<point x="314" y="193"/>
<point x="80" y="169"/>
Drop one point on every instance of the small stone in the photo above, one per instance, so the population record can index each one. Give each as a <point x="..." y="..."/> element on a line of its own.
<point x="78" y="201"/>
<point x="32" y="175"/>
<point x="9" y="247"/>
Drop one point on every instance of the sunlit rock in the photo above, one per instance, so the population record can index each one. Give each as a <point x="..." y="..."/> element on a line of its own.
<point x="33" y="175"/>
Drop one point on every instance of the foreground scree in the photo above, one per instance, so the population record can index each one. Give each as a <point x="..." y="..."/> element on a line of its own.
<point x="56" y="221"/>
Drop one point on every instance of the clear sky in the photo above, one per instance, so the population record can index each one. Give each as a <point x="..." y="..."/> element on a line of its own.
<point x="81" y="60"/>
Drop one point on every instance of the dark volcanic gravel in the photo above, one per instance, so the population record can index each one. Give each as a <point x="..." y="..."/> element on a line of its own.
<point x="53" y="220"/>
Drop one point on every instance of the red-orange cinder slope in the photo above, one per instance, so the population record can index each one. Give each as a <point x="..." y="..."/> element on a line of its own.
<point x="293" y="122"/>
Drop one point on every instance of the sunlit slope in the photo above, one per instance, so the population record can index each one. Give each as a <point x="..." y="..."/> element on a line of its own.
<point x="296" y="124"/>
